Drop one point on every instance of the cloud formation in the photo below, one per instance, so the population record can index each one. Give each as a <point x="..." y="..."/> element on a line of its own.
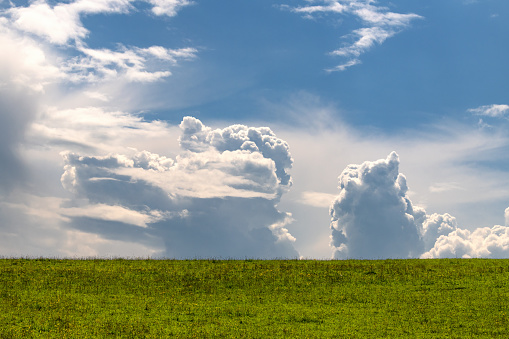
<point x="43" y="51"/>
<point x="495" y="111"/>
<point x="373" y="218"/>
<point x="132" y="63"/>
<point x="60" y="24"/>
<point x="484" y="242"/>
<point x="168" y="7"/>
<point x="481" y="243"/>
<point x="380" y="24"/>
<point x="216" y="199"/>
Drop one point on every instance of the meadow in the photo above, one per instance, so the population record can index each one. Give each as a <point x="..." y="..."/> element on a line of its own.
<point x="447" y="298"/>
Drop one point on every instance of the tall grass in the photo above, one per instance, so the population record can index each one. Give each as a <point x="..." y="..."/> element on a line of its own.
<point x="254" y="299"/>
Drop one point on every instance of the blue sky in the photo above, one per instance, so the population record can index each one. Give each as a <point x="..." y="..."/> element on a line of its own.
<point x="98" y="158"/>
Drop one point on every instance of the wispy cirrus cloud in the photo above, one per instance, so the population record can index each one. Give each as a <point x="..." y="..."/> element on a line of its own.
<point x="379" y="25"/>
<point x="132" y="63"/>
<point x="168" y="7"/>
<point x="495" y="111"/>
<point x="334" y="7"/>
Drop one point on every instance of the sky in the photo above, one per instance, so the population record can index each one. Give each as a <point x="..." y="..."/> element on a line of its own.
<point x="316" y="129"/>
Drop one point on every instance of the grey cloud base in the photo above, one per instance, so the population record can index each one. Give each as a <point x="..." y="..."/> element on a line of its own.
<point x="373" y="218"/>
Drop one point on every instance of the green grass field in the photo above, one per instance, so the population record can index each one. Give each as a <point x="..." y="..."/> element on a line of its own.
<point x="254" y="299"/>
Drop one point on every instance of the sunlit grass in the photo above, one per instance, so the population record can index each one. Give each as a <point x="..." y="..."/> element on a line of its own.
<point x="254" y="299"/>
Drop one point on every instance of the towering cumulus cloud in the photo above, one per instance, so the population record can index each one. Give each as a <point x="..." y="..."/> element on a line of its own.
<point x="372" y="217"/>
<point x="216" y="199"/>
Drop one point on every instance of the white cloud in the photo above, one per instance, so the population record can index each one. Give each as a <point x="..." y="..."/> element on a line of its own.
<point x="96" y="95"/>
<point x="335" y="7"/>
<point x="372" y="217"/>
<point x="444" y="187"/>
<point x="379" y="17"/>
<point x="25" y="63"/>
<point x="437" y="225"/>
<point x="367" y="37"/>
<point x="197" y="138"/>
<point x="168" y="7"/>
<point x="130" y="63"/>
<point x="316" y="199"/>
<point x="344" y="66"/>
<point x="481" y="243"/>
<point x="93" y="128"/>
<point x="380" y="25"/>
<point x="496" y="111"/>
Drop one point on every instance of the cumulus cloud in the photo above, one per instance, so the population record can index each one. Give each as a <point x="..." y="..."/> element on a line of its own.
<point x="437" y="225"/>
<point x="380" y="24"/>
<point x="481" y="243"/>
<point x="216" y="199"/>
<point x="372" y="217"/>
<point x="484" y="242"/>
<point x="196" y="137"/>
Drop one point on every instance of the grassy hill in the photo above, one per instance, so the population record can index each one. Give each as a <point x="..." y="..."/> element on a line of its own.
<point x="457" y="298"/>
